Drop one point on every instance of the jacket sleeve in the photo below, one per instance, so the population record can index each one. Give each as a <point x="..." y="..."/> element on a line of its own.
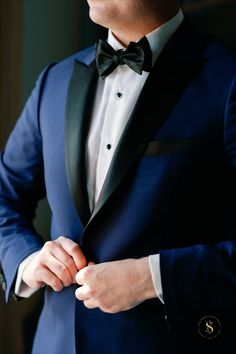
<point x="21" y="187"/>
<point x="200" y="281"/>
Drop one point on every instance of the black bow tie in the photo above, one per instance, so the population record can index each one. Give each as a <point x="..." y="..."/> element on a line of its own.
<point x="138" y="56"/>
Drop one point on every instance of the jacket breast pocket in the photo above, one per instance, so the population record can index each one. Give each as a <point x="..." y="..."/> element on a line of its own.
<point x="161" y="147"/>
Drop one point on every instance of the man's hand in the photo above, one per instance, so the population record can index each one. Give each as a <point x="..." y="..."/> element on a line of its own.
<point x="115" y="286"/>
<point x="55" y="265"/>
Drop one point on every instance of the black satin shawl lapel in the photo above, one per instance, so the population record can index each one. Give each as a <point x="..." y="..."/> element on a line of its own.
<point x="80" y="92"/>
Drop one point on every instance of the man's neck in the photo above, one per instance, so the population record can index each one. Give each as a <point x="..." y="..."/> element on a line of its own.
<point x="134" y="33"/>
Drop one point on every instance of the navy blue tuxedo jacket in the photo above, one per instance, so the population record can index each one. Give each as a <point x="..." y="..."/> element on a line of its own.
<point x="171" y="189"/>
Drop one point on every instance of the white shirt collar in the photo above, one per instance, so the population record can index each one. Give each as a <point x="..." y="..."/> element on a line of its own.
<point x="157" y="38"/>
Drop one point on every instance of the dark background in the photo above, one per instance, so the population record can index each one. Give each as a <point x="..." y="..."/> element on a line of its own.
<point x="34" y="33"/>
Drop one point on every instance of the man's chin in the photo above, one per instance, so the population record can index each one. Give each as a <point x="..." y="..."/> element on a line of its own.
<point x="96" y="17"/>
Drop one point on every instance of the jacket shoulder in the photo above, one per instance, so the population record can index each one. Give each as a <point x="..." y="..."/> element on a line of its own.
<point x="220" y="54"/>
<point x="85" y="56"/>
<point x="59" y="73"/>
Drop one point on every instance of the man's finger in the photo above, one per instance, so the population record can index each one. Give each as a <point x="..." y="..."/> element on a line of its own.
<point x="80" y="276"/>
<point x="82" y="293"/>
<point x="90" y="304"/>
<point x="91" y="263"/>
<point x="62" y="256"/>
<point x="74" y="250"/>
<point x="50" y="279"/>
<point x="59" y="270"/>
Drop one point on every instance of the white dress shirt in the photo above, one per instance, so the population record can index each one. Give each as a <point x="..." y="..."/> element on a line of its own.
<point x="115" y="99"/>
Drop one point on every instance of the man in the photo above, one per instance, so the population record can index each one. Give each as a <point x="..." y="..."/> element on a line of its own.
<point x="136" y="156"/>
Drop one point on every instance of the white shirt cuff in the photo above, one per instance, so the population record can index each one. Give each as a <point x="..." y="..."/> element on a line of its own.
<point x="21" y="289"/>
<point x="154" y="264"/>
